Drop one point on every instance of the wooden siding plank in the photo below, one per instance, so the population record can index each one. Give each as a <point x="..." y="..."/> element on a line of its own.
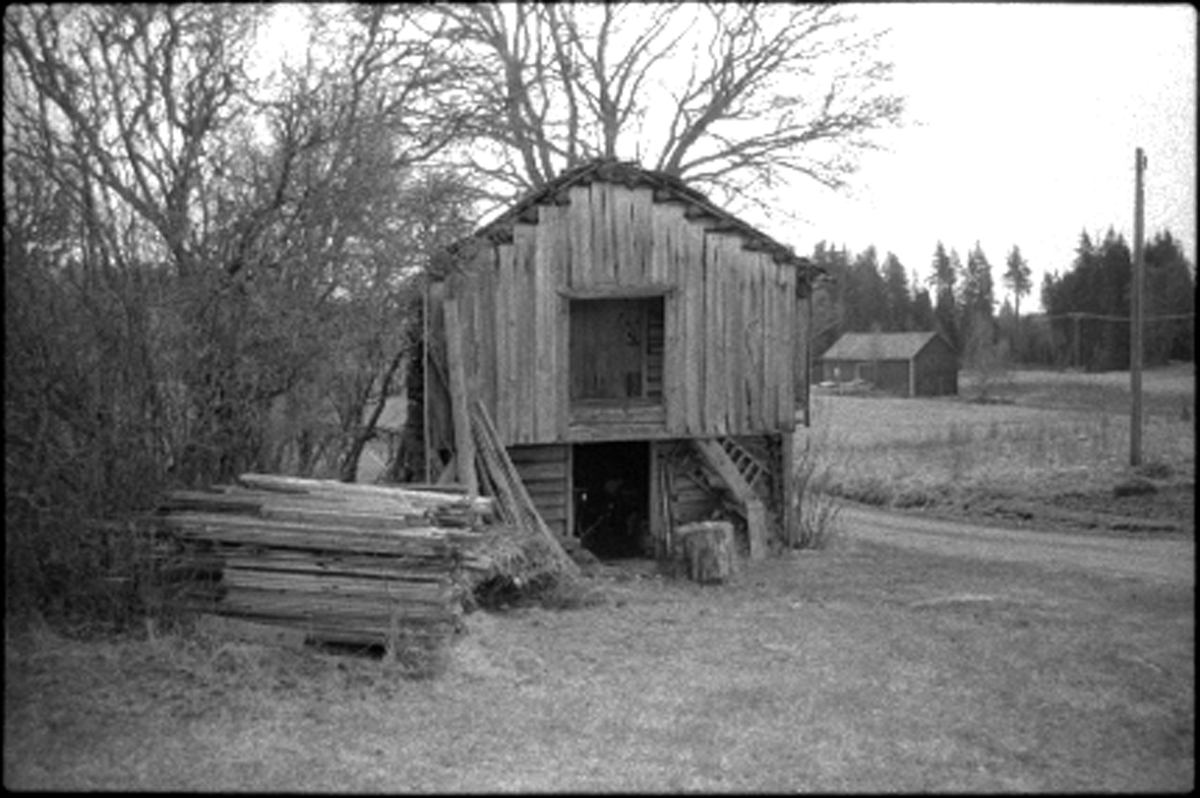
<point x="506" y="343"/>
<point x="795" y="359"/>
<point x="752" y="341"/>
<point x="580" y="212"/>
<point x="525" y="242"/>
<point x="734" y="285"/>
<point x="545" y="473"/>
<point x="521" y="455"/>
<point x="643" y="224"/>
<point x="626" y="269"/>
<point x="781" y="343"/>
<point x="771" y="339"/>
<point x="717" y="377"/>
<point x="547" y="258"/>
<point x="600" y="269"/>
<point x="487" y="345"/>
<point x="675" y="390"/>
<point x="690" y="270"/>
<point x="562" y="354"/>
<point x="763" y="379"/>
<point x="656" y="235"/>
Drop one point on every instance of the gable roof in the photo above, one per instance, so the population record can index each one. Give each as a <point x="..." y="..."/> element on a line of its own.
<point x="878" y="346"/>
<point x="667" y="188"/>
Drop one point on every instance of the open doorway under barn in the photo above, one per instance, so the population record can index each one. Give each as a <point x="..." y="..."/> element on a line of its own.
<point x="612" y="498"/>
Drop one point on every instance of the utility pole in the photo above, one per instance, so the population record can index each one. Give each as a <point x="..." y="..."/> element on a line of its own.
<point x="1135" y="316"/>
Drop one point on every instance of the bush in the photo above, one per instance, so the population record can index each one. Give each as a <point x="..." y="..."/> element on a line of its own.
<point x="816" y="502"/>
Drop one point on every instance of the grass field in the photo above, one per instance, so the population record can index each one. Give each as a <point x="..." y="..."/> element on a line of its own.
<point x="859" y="668"/>
<point x="1054" y="435"/>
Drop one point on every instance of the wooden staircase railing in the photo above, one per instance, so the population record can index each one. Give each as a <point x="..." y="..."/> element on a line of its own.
<point x="718" y="458"/>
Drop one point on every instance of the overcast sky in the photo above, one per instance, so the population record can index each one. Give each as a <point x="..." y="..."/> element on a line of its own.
<point x="1023" y="122"/>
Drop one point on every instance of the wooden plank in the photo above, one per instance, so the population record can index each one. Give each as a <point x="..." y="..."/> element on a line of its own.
<point x="318" y="488"/>
<point x="536" y="472"/>
<point x="795" y="361"/>
<point x="545" y="323"/>
<point x="783" y="350"/>
<point x="506" y="343"/>
<point x="561" y="327"/>
<point x="580" y="232"/>
<point x="641" y="229"/>
<point x="766" y="290"/>
<point x="690" y="273"/>
<point x="662" y="234"/>
<point x="756" y="343"/>
<point x="645" y="291"/>
<point x="464" y="445"/>
<point x="537" y="454"/>
<point x="716" y="341"/>
<point x="625" y="266"/>
<point x="358" y="519"/>
<point x="485" y="292"/>
<point x="347" y="564"/>
<point x="734" y="284"/>
<point x="525" y="243"/>
<point x="600" y="270"/>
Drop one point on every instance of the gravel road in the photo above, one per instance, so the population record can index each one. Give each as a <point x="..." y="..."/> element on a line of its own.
<point x="1157" y="558"/>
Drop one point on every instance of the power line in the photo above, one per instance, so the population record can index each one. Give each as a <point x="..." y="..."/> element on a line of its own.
<point x="1104" y="317"/>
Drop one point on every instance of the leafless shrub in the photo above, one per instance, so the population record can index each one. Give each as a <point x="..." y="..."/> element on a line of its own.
<point x="816" y="501"/>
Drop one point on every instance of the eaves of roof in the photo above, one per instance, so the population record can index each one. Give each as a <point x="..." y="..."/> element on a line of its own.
<point x="667" y="188"/>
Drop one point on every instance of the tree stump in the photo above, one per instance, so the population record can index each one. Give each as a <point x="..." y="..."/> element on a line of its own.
<point x="706" y="550"/>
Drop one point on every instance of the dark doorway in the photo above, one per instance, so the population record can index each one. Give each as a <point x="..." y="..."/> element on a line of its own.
<point x="612" y="498"/>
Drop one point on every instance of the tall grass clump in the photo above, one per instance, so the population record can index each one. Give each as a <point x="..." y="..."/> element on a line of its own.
<point x="816" y="501"/>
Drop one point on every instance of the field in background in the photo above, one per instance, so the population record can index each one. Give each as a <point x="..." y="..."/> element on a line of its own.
<point x="1054" y="437"/>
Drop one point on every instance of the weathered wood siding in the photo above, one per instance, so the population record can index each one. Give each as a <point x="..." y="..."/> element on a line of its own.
<point x="546" y="473"/>
<point x="729" y="323"/>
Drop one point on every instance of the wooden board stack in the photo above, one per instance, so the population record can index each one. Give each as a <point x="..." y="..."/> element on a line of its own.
<point x="347" y="563"/>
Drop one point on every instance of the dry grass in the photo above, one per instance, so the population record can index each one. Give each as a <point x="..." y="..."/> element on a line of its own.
<point x="855" y="669"/>
<point x="1059" y="433"/>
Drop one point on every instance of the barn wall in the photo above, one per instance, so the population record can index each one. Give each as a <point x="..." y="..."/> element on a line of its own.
<point x="730" y="320"/>
<point x="937" y="369"/>
<point x="892" y="376"/>
<point x="546" y="473"/>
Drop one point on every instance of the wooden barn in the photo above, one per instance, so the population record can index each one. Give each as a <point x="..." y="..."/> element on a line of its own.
<point x="638" y="351"/>
<point x="906" y="364"/>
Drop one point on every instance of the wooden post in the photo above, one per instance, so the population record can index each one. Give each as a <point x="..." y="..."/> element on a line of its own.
<point x="464" y="444"/>
<point x="1137" y="310"/>
<point x="707" y="549"/>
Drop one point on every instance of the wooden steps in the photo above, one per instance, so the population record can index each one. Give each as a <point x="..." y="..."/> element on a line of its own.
<point x="717" y="457"/>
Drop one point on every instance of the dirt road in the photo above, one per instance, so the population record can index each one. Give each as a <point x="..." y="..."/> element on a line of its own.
<point x="1161" y="559"/>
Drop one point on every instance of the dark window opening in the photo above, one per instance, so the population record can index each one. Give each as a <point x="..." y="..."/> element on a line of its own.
<point x="617" y="349"/>
<point x="612" y="498"/>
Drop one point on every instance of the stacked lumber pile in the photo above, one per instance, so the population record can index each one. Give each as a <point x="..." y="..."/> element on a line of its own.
<point x="344" y="563"/>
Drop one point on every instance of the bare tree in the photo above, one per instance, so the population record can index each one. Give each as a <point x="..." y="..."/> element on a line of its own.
<point x="728" y="96"/>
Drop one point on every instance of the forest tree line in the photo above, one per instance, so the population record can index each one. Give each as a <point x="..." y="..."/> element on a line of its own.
<point x="1084" y="322"/>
